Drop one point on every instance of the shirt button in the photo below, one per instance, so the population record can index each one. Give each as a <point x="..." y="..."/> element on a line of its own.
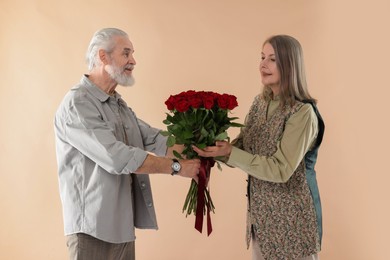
<point x="150" y="204"/>
<point x="143" y="185"/>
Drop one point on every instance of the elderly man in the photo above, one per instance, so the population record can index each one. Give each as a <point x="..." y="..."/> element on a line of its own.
<point x="104" y="155"/>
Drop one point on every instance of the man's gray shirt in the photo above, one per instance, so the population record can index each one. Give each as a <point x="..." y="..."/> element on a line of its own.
<point x="100" y="142"/>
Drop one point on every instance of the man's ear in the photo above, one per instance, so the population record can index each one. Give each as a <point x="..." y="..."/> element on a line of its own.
<point x="103" y="56"/>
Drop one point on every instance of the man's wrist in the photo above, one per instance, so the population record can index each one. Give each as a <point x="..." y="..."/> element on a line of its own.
<point x="175" y="166"/>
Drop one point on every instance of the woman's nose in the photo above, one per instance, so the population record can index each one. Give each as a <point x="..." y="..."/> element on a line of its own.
<point x="263" y="64"/>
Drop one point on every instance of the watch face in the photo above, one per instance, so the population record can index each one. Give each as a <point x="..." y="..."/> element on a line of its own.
<point x="176" y="166"/>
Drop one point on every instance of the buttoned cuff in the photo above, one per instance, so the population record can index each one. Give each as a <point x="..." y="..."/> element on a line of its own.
<point x="136" y="160"/>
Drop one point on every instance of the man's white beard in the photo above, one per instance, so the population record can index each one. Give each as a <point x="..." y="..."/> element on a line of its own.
<point x="118" y="74"/>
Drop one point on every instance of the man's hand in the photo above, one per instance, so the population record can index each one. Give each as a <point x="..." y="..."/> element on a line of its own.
<point x="190" y="168"/>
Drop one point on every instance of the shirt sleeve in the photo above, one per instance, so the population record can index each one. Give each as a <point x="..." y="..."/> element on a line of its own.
<point x="153" y="141"/>
<point x="299" y="134"/>
<point x="92" y="136"/>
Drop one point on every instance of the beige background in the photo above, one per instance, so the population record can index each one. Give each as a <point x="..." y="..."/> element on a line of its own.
<point x="202" y="45"/>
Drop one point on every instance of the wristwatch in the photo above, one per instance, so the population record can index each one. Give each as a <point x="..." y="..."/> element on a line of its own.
<point x="176" y="167"/>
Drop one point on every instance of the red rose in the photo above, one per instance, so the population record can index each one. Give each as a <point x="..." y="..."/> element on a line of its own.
<point x="190" y="93"/>
<point x="223" y="101"/>
<point x="170" y="103"/>
<point x="232" y="102"/>
<point x="195" y="102"/>
<point x="182" y="105"/>
<point x="208" y="101"/>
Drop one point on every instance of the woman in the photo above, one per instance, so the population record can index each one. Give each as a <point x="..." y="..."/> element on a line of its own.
<point x="278" y="150"/>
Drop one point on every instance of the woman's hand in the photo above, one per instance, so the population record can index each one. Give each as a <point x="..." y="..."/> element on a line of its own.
<point x="221" y="148"/>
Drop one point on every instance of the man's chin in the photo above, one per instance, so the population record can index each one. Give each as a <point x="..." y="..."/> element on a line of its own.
<point x="129" y="82"/>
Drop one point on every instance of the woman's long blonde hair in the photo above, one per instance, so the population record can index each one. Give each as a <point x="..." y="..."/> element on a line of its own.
<point x="289" y="61"/>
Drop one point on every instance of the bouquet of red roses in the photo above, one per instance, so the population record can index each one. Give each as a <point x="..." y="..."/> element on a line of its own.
<point x="199" y="118"/>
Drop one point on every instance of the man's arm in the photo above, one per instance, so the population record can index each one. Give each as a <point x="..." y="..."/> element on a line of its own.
<point x="154" y="164"/>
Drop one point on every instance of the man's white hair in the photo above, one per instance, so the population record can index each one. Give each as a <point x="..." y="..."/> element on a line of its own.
<point x="102" y="39"/>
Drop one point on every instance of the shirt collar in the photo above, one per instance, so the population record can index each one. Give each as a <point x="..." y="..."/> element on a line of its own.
<point x="96" y="91"/>
<point x="275" y="98"/>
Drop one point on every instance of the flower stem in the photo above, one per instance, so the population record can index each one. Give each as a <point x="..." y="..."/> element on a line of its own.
<point x="190" y="202"/>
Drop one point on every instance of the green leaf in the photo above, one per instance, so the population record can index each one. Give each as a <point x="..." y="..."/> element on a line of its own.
<point x="232" y="124"/>
<point x="187" y="135"/>
<point x="211" y="138"/>
<point x="201" y="146"/>
<point x="204" y="132"/>
<point x="219" y="166"/>
<point x="221" y="136"/>
<point x="165" y="133"/>
<point x="167" y="122"/>
<point x="171" y="141"/>
<point x="177" y="154"/>
<point x="169" y="117"/>
<point x="191" y="154"/>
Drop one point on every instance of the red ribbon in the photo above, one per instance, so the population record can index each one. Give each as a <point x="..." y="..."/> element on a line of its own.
<point x="204" y="175"/>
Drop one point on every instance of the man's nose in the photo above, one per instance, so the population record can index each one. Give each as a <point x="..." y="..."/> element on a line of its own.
<point x="132" y="60"/>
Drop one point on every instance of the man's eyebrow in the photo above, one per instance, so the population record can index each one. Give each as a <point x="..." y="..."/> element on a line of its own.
<point x="127" y="50"/>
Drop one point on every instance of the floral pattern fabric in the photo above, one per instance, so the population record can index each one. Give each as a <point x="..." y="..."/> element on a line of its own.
<point x="281" y="215"/>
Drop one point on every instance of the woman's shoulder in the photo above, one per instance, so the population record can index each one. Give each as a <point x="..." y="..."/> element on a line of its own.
<point x="305" y="113"/>
<point x="259" y="98"/>
<point x="304" y="108"/>
<point x="258" y="101"/>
